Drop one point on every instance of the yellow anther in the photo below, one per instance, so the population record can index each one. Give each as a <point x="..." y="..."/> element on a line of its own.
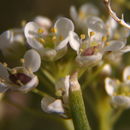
<point x="128" y="77"/>
<point x="22" y="60"/>
<point x="23" y="23"/>
<point x="41" y="40"/>
<point x="54" y="38"/>
<point x="118" y="81"/>
<point x="107" y="43"/>
<point x="92" y="33"/>
<point x="53" y="30"/>
<point x="18" y="81"/>
<point x="82" y="36"/>
<point x="94" y="44"/>
<point x="82" y="15"/>
<point x="81" y="50"/>
<point x="104" y="38"/>
<point x="13" y="71"/>
<point x="40" y="30"/>
<point x="5" y="64"/>
<point x="61" y="38"/>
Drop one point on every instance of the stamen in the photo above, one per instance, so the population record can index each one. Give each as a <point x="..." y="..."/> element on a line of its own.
<point x="40" y="31"/>
<point x="104" y="38"/>
<point x="128" y="77"/>
<point x="13" y="71"/>
<point x="82" y="36"/>
<point x="22" y="60"/>
<point x="5" y="64"/>
<point x="53" y="30"/>
<point x="54" y="38"/>
<point x="19" y="82"/>
<point x="41" y="40"/>
<point x="61" y="38"/>
<point x="82" y="15"/>
<point x="92" y="34"/>
<point x="107" y="43"/>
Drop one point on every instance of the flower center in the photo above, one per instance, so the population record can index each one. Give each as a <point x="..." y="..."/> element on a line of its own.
<point x="19" y="78"/>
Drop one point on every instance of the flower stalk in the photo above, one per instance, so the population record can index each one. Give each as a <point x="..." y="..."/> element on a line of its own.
<point x="77" y="107"/>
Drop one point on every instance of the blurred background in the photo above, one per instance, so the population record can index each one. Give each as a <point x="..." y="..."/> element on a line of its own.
<point x="15" y="115"/>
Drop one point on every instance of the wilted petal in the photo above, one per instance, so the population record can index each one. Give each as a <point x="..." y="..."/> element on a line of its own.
<point x="114" y="45"/>
<point x="3" y="72"/>
<point x="32" y="60"/>
<point x="52" y="105"/>
<point x="110" y="86"/>
<point x="126" y="75"/>
<point x="121" y="101"/>
<point x="64" y="26"/>
<point x="74" y="41"/>
<point x="89" y="60"/>
<point x="30" y="31"/>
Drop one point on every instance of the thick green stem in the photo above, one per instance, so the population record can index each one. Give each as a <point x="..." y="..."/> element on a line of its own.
<point x="77" y="105"/>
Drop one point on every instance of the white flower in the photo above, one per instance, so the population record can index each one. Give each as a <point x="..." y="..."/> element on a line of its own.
<point x="52" y="105"/>
<point x="119" y="91"/>
<point x="80" y="16"/>
<point x="53" y="45"/>
<point x="11" y="40"/>
<point x="21" y="78"/>
<point x="61" y="104"/>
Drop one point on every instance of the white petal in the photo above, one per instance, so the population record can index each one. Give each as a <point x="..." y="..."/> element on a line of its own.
<point x="30" y="85"/>
<point x="64" y="26"/>
<point x="62" y="44"/>
<point x="73" y="13"/>
<point x="89" y="60"/>
<point x="32" y="60"/>
<point x="51" y="105"/>
<point x="6" y="39"/>
<point x="110" y="86"/>
<point x="74" y="41"/>
<point x="114" y="45"/>
<point x="63" y="86"/>
<point x="126" y="74"/>
<point x="3" y="72"/>
<point x="125" y="49"/>
<point x="121" y="101"/>
<point x="89" y="9"/>
<point x="30" y="31"/>
<point x="96" y="24"/>
<point x="43" y="21"/>
<point x="3" y="87"/>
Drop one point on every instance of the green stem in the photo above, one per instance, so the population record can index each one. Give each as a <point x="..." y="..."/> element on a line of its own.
<point x="68" y="124"/>
<point x="77" y="105"/>
<point x="39" y="92"/>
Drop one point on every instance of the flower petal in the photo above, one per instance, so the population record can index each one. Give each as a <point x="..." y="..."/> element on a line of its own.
<point x="32" y="60"/>
<point x="62" y="86"/>
<point x="89" y="60"/>
<point x="121" y="101"/>
<point x="110" y="86"/>
<point x="43" y="21"/>
<point x="6" y="39"/>
<point x="114" y="45"/>
<point x="3" y="72"/>
<point x="52" y="105"/>
<point x="31" y="31"/>
<point x="64" y="26"/>
<point x="74" y="41"/>
<point x="125" y="49"/>
<point x="30" y="85"/>
<point x="126" y="75"/>
<point x="96" y="24"/>
<point x="3" y="87"/>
